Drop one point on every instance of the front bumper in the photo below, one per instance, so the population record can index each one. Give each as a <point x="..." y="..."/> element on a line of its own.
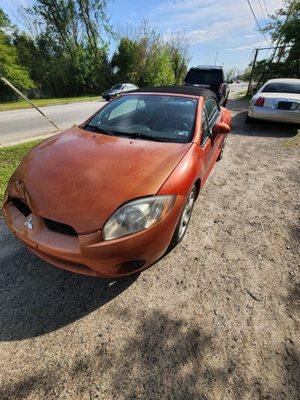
<point x="89" y="254"/>
<point x="275" y="115"/>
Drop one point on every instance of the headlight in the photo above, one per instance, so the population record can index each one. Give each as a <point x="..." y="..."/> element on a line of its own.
<point x="137" y="215"/>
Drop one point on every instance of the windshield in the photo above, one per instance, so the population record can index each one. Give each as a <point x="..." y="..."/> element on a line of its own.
<point x="116" y="87"/>
<point x="280" y="87"/>
<point x="204" y="77"/>
<point x="153" y="117"/>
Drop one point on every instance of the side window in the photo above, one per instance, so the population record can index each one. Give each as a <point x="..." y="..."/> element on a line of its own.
<point x="213" y="111"/>
<point x="210" y="115"/>
<point x="205" y="128"/>
<point x="124" y="108"/>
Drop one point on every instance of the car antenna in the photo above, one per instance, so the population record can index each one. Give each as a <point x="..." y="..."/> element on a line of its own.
<point x="29" y="101"/>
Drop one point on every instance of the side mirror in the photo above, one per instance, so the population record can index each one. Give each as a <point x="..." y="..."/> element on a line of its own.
<point x="220" y="128"/>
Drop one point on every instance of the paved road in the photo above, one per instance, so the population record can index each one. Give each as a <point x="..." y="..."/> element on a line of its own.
<point x="216" y="318"/>
<point x="22" y="124"/>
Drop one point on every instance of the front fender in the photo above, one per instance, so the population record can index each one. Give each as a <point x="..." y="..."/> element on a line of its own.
<point x="185" y="174"/>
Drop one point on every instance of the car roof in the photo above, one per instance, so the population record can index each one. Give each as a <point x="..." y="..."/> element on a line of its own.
<point x="185" y="90"/>
<point x="284" y="80"/>
<point x="217" y="67"/>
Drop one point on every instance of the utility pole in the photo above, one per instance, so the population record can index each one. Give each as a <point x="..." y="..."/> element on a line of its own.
<point x="235" y="71"/>
<point x="216" y="58"/>
<point x="249" y="90"/>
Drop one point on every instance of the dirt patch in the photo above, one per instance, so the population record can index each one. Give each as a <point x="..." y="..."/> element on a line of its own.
<point x="217" y="318"/>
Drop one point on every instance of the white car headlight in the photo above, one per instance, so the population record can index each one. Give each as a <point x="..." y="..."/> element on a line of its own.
<point x="137" y="215"/>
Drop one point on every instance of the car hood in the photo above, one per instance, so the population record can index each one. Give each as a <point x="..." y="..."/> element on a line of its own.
<point x="80" y="178"/>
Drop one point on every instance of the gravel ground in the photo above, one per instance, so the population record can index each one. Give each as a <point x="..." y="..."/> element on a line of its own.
<point x="216" y="318"/>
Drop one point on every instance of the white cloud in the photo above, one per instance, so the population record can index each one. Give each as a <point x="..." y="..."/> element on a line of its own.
<point x="211" y="20"/>
<point x="197" y="35"/>
<point x="247" y="46"/>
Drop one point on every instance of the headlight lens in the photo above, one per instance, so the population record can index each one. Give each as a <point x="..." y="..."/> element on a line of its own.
<point x="137" y="215"/>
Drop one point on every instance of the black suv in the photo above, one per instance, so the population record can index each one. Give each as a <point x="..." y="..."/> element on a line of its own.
<point x="210" y="77"/>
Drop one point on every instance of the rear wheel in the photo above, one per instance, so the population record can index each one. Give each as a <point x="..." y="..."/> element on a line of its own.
<point x="222" y="151"/>
<point x="184" y="218"/>
<point x="221" y="154"/>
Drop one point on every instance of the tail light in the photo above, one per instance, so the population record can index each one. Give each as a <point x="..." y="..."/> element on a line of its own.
<point x="260" y="102"/>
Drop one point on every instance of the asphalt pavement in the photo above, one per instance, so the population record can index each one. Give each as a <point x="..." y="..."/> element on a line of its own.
<point x="17" y="125"/>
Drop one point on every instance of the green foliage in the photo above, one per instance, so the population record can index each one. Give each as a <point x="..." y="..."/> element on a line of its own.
<point x="145" y="59"/>
<point x="230" y="74"/>
<point x="179" y="50"/>
<point x="68" y="55"/>
<point x="158" y="69"/>
<point x="69" y="46"/>
<point x="128" y="61"/>
<point x="22" y="104"/>
<point x="10" y="65"/>
<point x="285" y="32"/>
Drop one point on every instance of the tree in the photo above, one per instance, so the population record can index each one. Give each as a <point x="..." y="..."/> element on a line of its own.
<point x="284" y="29"/>
<point x="144" y="58"/>
<point x="10" y="67"/>
<point x="126" y="60"/>
<point x="230" y="74"/>
<point x="70" y="45"/>
<point x="179" y="49"/>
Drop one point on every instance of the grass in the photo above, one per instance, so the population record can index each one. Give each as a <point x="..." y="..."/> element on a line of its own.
<point x="243" y="95"/>
<point x="21" y="104"/>
<point x="10" y="158"/>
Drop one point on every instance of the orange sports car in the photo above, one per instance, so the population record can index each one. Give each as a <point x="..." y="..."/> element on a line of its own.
<point x="108" y="198"/>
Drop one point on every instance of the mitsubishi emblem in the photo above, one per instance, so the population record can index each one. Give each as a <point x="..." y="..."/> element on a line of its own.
<point x="29" y="223"/>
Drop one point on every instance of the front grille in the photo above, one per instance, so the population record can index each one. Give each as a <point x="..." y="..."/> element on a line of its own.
<point x="21" y="206"/>
<point x="59" y="227"/>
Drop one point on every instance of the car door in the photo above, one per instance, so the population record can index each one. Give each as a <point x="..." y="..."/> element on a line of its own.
<point x="209" y="143"/>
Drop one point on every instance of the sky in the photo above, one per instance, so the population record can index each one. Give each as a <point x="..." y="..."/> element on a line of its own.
<point x="216" y="29"/>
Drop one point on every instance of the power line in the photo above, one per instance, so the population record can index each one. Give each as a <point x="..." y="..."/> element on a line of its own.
<point x="257" y="23"/>
<point x="265" y="5"/>
<point x="262" y="10"/>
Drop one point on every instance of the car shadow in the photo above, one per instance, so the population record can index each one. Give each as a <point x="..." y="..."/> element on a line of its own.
<point x="257" y="128"/>
<point x="36" y="298"/>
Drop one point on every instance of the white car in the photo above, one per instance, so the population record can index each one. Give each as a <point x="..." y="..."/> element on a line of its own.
<point x="277" y="100"/>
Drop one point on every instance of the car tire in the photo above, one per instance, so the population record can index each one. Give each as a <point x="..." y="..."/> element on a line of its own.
<point x="184" y="219"/>
<point x="221" y="154"/>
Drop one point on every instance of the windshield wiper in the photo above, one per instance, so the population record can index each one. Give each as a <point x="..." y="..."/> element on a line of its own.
<point x="100" y="130"/>
<point x="140" y="135"/>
